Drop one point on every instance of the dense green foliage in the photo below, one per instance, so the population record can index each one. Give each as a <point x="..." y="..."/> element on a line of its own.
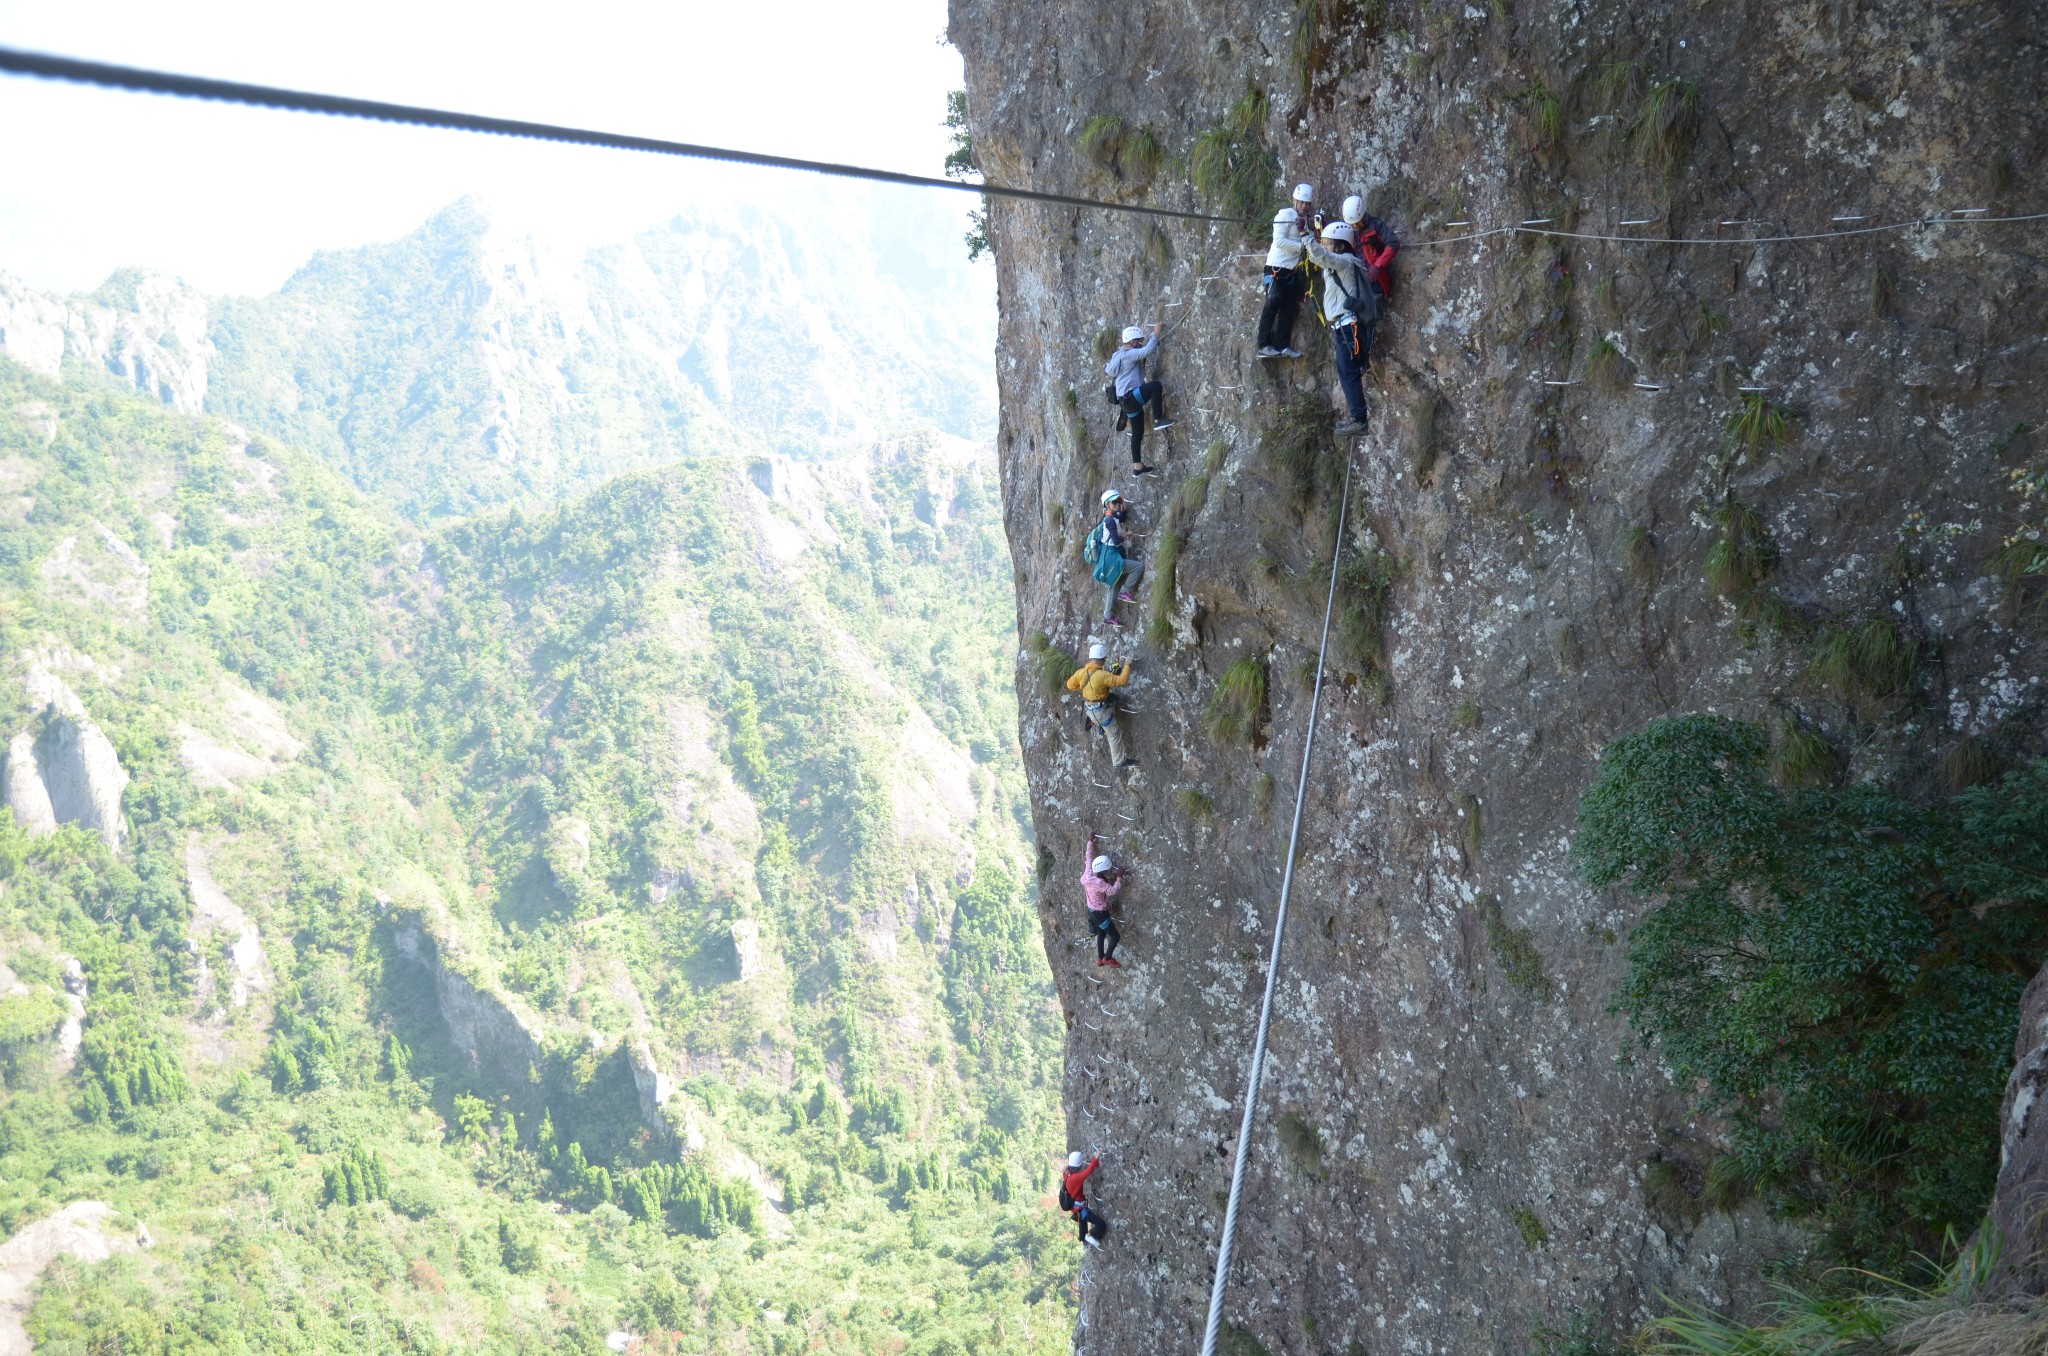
<point x="581" y="752"/>
<point x="1840" y="967"/>
<point x="1953" y="1314"/>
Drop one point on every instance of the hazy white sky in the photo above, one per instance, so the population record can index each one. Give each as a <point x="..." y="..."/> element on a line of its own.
<point x="233" y="199"/>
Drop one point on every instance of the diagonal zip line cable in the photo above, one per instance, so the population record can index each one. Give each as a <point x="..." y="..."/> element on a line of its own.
<point x="1258" y="1064"/>
<point x="43" y="65"/>
<point x="72" y="70"/>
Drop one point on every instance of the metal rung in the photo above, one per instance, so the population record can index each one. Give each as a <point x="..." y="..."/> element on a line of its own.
<point x="1833" y="219"/>
<point x="1560" y="383"/>
<point x="1647" y="386"/>
<point x="1753" y="390"/>
<point x="1539" y="221"/>
<point x="1457" y="223"/>
<point x="1643" y="221"/>
<point x="1966" y="211"/>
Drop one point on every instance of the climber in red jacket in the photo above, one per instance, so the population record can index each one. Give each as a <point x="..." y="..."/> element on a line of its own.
<point x="1074" y="1199"/>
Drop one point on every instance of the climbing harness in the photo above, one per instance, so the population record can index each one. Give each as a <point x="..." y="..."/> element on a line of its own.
<point x="1258" y="1063"/>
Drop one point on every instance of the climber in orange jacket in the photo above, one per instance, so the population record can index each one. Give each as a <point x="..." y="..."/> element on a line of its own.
<point x="1074" y="1199"/>
<point x="1097" y="686"/>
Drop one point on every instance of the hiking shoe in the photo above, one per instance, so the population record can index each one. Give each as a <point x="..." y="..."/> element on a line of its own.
<point x="1349" y="428"/>
<point x="1269" y="352"/>
<point x="1127" y="597"/>
<point x="1092" y="1242"/>
<point x="1142" y="470"/>
<point x="1290" y="353"/>
<point x="1101" y="960"/>
<point x="1123" y="422"/>
<point x="1112" y="621"/>
<point x="1162" y="424"/>
<point x="1112" y="962"/>
<point x="1128" y="762"/>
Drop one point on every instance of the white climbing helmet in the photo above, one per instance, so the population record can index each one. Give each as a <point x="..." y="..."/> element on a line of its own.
<point x="1354" y="209"/>
<point x="1133" y="332"/>
<point x="1098" y="651"/>
<point x="1101" y="865"/>
<point x="1074" y="1159"/>
<point x="1111" y="496"/>
<point x="1304" y="192"/>
<point x="1340" y="230"/>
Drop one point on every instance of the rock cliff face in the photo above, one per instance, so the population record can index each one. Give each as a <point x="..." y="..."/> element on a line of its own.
<point x="144" y="328"/>
<point x="1450" y="1149"/>
<point x="69" y="774"/>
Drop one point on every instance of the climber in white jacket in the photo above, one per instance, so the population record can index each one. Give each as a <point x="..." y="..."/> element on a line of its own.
<point x="1286" y="281"/>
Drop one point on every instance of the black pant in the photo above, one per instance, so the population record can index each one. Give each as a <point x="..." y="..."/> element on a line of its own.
<point x="1133" y="405"/>
<point x="1106" y="936"/>
<point x="1353" y="343"/>
<point x="1284" y="287"/>
<point x="1083" y="1217"/>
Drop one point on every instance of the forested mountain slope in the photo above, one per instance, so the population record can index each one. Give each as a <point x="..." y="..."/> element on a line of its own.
<point x="605" y="918"/>
<point x="465" y="366"/>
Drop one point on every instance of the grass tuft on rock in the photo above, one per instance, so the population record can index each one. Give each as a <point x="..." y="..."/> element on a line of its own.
<point x="1867" y="662"/>
<point x="1301" y="1143"/>
<point x="1422" y="447"/>
<point x="1240" y="698"/>
<point x="1052" y="664"/>
<point x="1161" y="591"/>
<point x="1102" y="141"/>
<point x="1514" y="951"/>
<point x="1299" y="446"/>
<point x="1802" y="755"/>
<point x="1606" y="367"/>
<point x="1231" y="165"/>
<point x="1757" y="422"/>
<point x="1639" y="554"/>
<point x="1743" y="556"/>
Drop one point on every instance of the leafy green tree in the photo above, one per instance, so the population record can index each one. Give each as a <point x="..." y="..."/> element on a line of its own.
<point x="473" y="1117"/>
<point x="1841" y="967"/>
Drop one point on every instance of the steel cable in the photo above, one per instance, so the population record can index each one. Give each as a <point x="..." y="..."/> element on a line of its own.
<point x="1258" y="1064"/>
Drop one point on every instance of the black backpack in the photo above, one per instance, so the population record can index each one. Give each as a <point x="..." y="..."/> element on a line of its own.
<point x="1366" y="308"/>
<point x="1066" y="1201"/>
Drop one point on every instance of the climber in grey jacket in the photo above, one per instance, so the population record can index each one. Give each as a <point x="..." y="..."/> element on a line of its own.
<point x="1126" y="368"/>
<point x="1351" y="308"/>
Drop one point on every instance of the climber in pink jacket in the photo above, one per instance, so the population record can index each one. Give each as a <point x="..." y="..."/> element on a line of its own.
<point x="1100" y="881"/>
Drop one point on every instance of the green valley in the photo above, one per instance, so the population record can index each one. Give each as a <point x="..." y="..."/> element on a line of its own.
<point x="592" y="916"/>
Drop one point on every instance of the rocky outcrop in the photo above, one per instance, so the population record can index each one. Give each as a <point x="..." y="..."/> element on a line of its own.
<point x="71" y="1035"/>
<point x="88" y="1231"/>
<point x="69" y="774"/>
<point x="83" y="777"/>
<point x="489" y="1027"/>
<point x="217" y="918"/>
<point x="2019" y="1207"/>
<point x="141" y="327"/>
<point x="23" y="787"/>
<point x="1449" y="1151"/>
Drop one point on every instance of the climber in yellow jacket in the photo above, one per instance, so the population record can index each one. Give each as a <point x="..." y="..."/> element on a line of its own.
<point x="1097" y="685"/>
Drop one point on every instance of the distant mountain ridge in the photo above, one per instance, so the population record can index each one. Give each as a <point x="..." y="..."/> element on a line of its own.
<point x="463" y="367"/>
